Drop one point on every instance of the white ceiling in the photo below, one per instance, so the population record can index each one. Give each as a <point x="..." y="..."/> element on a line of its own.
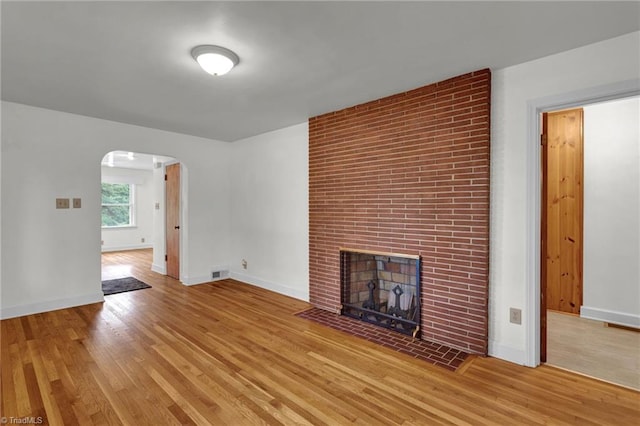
<point x="130" y="61"/>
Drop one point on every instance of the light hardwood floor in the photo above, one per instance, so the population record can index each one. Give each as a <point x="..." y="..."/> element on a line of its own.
<point x="588" y="347"/>
<point x="227" y="353"/>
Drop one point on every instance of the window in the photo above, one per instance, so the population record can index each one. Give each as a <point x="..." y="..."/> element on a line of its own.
<point x="117" y="204"/>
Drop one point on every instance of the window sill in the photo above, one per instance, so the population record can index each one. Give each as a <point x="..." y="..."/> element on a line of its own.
<point x="119" y="227"/>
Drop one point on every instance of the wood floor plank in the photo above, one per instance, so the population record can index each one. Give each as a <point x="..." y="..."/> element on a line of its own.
<point x="15" y="396"/>
<point x="227" y="353"/>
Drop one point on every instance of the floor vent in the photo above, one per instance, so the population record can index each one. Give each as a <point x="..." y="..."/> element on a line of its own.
<point x="219" y="275"/>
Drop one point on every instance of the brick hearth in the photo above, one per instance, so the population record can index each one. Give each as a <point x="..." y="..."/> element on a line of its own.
<point x="432" y="353"/>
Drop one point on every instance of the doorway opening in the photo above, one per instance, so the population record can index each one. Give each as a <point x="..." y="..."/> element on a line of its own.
<point x="134" y="208"/>
<point x="590" y="240"/>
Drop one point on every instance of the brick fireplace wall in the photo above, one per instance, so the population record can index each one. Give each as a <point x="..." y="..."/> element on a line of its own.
<point x="409" y="174"/>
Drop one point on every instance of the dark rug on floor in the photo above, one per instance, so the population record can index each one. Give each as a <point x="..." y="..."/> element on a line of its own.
<point x="434" y="353"/>
<point x="121" y="285"/>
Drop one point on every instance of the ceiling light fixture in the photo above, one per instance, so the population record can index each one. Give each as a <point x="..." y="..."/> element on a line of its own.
<point x="215" y="60"/>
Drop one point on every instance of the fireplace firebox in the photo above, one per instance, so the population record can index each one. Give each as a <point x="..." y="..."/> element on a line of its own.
<point x="381" y="288"/>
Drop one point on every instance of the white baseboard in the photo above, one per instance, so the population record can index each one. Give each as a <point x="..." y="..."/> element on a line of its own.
<point x="128" y="247"/>
<point x="160" y="269"/>
<point x="604" y="315"/>
<point x="507" y="353"/>
<point x="195" y="280"/>
<point x="50" y="305"/>
<point x="287" y="291"/>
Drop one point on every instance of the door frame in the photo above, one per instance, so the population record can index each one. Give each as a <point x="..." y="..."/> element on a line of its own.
<point x="160" y="245"/>
<point x="545" y="222"/>
<point x="535" y="108"/>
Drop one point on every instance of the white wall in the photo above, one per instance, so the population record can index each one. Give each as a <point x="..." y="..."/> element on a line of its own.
<point x="128" y="238"/>
<point x="1" y="238"/>
<point x="51" y="258"/>
<point x="611" y="287"/>
<point x="514" y="171"/>
<point x="270" y="211"/>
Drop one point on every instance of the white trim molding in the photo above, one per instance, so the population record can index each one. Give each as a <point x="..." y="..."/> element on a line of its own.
<point x="50" y="305"/>
<point x="507" y="353"/>
<point x="613" y="317"/>
<point x="186" y="280"/>
<point x="128" y="247"/>
<point x="160" y="269"/>
<point x="278" y="288"/>
<point x="535" y="108"/>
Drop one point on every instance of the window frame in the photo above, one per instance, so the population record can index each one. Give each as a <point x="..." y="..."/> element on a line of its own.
<point x="131" y="205"/>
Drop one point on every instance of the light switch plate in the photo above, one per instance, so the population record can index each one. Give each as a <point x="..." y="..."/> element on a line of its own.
<point x="77" y="203"/>
<point x="62" y="203"/>
<point x="515" y="316"/>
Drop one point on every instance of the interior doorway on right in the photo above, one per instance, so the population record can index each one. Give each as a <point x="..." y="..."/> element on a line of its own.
<point x="590" y="240"/>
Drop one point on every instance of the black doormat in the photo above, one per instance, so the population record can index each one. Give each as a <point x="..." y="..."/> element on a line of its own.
<point x="121" y="285"/>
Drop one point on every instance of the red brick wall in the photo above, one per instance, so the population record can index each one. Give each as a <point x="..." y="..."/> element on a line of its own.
<point x="409" y="173"/>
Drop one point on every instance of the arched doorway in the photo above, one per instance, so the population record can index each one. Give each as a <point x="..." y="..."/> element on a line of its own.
<point x="133" y="208"/>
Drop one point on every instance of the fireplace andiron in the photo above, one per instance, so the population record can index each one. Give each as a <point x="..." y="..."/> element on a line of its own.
<point x="382" y="302"/>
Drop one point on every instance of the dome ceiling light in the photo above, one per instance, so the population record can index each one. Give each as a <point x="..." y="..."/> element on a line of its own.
<point x="215" y="60"/>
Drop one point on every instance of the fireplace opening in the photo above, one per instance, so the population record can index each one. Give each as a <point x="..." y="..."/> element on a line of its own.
<point x="382" y="289"/>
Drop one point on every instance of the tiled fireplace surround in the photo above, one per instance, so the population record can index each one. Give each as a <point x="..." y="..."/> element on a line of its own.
<point x="409" y="173"/>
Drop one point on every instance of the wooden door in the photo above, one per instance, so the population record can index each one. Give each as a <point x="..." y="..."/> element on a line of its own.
<point x="543" y="244"/>
<point x="172" y="223"/>
<point x="562" y="211"/>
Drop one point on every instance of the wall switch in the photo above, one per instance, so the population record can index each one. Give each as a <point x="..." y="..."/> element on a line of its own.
<point x="62" y="203"/>
<point x="515" y="316"/>
<point x="77" y="203"/>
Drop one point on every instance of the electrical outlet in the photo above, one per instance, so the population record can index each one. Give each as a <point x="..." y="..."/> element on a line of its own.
<point x="62" y="203"/>
<point x="142" y="240"/>
<point x="244" y="264"/>
<point x="515" y="316"/>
